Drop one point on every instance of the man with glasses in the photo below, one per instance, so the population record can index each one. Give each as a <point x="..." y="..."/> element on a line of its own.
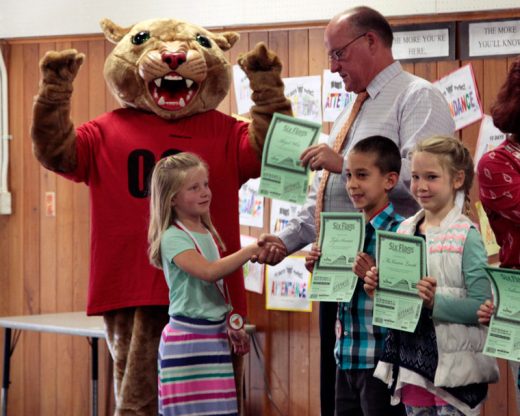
<point x="402" y="107"/>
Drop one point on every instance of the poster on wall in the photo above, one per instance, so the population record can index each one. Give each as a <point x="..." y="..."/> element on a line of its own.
<point x="489" y="137"/>
<point x="424" y="42"/>
<point x="460" y="91"/>
<point x="334" y="96"/>
<point x="253" y="272"/>
<point x="488" y="237"/>
<point x="287" y="286"/>
<point x="305" y="97"/>
<point x="251" y="204"/>
<point x="489" y="38"/>
<point x="242" y="90"/>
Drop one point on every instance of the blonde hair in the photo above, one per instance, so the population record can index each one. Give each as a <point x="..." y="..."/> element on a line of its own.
<point x="168" y="178"/>
<point x="453" y="156"/>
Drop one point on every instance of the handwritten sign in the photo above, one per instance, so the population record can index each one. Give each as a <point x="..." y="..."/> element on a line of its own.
<point x="251" y="204"/>
<point x="489" y="137"/>
<point x="242" y="90"/>
<point x="287" y="286"/>
<point x="334" y="96"/>
<point x="460" y="91"/>
<point x="421" y="44"/>
<point x="304" y="94"/>
<point x="494" y="38"/>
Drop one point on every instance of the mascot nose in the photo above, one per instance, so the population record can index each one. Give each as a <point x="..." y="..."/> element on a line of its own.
<point x="173" y="59"/>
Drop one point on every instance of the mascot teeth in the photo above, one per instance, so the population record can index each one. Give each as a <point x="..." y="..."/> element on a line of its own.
<point x="172" y="92"/>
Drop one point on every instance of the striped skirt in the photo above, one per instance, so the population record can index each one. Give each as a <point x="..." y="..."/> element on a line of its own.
<point x="195" y="369"/>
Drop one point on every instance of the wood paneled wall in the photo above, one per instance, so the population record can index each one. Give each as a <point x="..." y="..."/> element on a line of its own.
<point x="44" y="260"/>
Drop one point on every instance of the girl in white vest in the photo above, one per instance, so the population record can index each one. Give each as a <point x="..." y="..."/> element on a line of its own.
<point x="440" y="369"/>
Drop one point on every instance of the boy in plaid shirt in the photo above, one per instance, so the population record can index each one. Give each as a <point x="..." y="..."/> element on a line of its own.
<point x="373" y="167"/>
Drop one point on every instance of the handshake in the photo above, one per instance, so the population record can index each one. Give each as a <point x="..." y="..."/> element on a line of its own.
<point x="271" y="250"/>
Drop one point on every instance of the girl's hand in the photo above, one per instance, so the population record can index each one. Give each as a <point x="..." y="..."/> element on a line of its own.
<point x="485" y="311"/>
<point x="426" y="287"/>
<point x="312" y="257"/>
<point x="239" y="341"/>
<point x="371" y="279"/>
<point x="362" y="265"/>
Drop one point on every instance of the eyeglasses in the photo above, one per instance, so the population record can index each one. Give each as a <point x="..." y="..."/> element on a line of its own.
<point x="336" y="54"/>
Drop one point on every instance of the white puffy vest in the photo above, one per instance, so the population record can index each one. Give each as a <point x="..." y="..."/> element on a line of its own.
<point x="461" y="361"/>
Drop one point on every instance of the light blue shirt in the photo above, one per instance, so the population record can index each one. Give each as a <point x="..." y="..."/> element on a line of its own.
<point x="400" y="106"/>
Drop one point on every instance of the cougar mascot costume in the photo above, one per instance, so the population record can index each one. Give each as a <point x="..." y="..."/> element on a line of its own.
<point x="169" y="76"/>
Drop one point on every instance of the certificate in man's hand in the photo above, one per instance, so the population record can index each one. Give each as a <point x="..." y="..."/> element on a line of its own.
<point x="401" y="263"/>
<point x="341" y="238"/>
<point x="503" y="339"/>
<point x="283" y="176"/>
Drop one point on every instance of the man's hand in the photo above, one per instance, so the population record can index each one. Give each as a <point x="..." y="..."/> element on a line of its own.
<point x="272" y="250"/>
<point x="321" y="156"/>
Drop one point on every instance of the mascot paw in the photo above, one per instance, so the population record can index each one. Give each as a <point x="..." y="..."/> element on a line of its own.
<point x="61" y="67"/>
<point x="259" y="59"/>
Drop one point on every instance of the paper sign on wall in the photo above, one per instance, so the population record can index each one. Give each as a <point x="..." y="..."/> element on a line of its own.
<point x="251" y="204"/>
<point x="489" y="137"/>
<point x="242" y="90"/>
<point x="253" y="272"/>
<point x="304" y="94"/>
<point x="334" y="96"/>
<point x="287" y="285"/>
<point x="460" y="91"/>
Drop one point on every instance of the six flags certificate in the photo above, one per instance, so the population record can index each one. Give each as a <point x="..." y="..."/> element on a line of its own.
<point x="283" y="177"/>
<point x="401" y="263"/>
<point x="341" y="238"/>
<point x="503" y="339"/>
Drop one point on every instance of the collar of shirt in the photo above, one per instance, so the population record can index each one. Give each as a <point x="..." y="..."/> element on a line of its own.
<point x="383" y="78"/>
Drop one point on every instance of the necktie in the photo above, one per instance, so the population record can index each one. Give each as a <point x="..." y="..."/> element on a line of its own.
<point x="339" y="143"/>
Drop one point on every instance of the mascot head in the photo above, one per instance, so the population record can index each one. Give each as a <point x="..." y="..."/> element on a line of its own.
<point x="168" y="67"/>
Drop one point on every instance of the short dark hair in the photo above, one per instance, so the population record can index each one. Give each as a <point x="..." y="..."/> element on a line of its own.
<point x="506" y="110"/>
<point x="365" y="19"/>
<point x="388" y="157"/>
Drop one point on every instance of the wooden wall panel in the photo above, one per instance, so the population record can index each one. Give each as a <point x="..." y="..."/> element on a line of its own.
<point x="44" y="260"/>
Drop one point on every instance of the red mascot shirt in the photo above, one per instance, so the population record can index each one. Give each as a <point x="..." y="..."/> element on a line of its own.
<point x="116" y="154"/>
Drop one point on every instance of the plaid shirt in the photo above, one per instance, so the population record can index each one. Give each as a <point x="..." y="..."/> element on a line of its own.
<point x="361" y="343"/>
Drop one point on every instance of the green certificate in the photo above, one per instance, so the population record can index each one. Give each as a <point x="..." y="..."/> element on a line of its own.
<point x="503" y="339"/>
<point x="401" y="263"/>
<point x="283" y="177"/>
<point x="341" y="238"/>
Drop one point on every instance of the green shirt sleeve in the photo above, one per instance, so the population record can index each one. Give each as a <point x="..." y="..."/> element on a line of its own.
<point x="173" y="242"/>
<point x="464" y="311"/>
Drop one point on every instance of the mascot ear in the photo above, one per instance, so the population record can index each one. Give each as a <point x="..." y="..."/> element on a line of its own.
<point x="113" y="32"/>
<point x="226" y="40"/>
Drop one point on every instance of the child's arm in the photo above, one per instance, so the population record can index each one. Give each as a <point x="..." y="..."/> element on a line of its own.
<point x="198" y="266"/>
<point x="485" y="311"/>
<point x="312" y="257"/>
<point x="464" y="310"/>
<point x="363" y="263"/>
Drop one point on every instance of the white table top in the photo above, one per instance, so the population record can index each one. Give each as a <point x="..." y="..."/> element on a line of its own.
<point x="71" y="323"/>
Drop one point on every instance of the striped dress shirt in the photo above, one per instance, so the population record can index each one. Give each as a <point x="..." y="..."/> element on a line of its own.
<point x="402" y="107"/>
